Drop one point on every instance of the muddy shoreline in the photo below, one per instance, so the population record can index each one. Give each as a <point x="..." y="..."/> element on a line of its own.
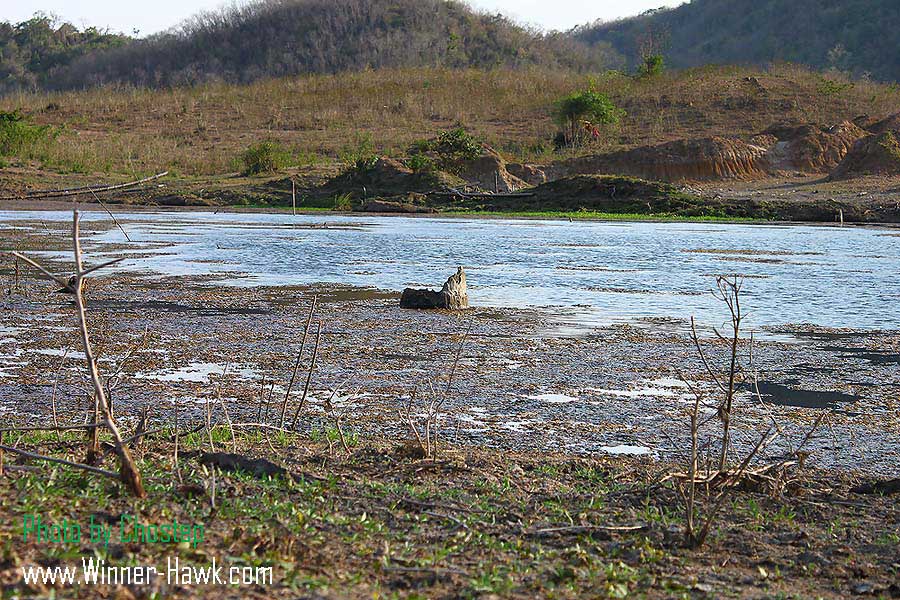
<point x="529" y="379"/>
<point x="803" y="199"/>
<point x="525" y="382"/>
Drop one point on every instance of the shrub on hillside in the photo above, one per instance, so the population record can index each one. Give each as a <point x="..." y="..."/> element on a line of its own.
<point x="651" y="65"/>
<point x="264" y="157"/>
<point x="457" y="144"/>
<point x="20" y="138"/>
<point x="361" y="157"/>
<point x="582" y="113"/>
<point x="445" y="151"/>
<point x="420" y="163"/>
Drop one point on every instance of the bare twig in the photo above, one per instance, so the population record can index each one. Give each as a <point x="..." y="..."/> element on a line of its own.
<point x="53" y="395"/>
<point x="287" y="394"/>
<point x="128" y="470"/>
<point x="312" y="366"/>
<point x="582" y="529"/>
<point x="225" y="409"/>
<point x="112" y="216"/>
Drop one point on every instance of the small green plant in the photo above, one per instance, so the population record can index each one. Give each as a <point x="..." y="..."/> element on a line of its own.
<point x="420" y="163"/>
<point x="361" y="157"/>
<point x="651" y="66"/>
<point x="265" y="157"/>
<point x="20" y="138"/>
<point x="457" y="144"/>
<point x="582" y="113"/>
<point x="829" y="87"/>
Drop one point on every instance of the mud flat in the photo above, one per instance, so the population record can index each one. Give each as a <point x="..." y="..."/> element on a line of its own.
<point x="528" y="379"/>
<point x="552" y="433"/>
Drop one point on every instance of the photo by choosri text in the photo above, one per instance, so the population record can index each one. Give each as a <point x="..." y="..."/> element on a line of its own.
<point x="128" y="530"/>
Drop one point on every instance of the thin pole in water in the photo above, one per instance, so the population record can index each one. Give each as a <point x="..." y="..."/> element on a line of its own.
<point x="841" y="213"/>
<point x="294" y="196"/>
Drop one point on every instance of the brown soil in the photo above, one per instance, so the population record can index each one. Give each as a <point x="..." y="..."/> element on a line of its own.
<point x="811" y="149"/>
<point x="388" y="177"/>
<point x="704" y="159"/>
<point x="877" y="154"/>
<point x="488" y="172"/>
<point x="779" y="150"/>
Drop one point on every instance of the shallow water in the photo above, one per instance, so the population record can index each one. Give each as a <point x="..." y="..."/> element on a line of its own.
<point x="603" y="272"/>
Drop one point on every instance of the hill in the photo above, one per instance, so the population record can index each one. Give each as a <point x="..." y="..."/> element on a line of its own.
<point x="855" y="36"/>
<point x="33" y="52"/>
<point x="275" y="38"/>
<point x="202" y="130"/>
<point x="317" y="126"/>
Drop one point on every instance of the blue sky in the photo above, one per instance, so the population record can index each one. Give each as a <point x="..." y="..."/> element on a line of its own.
<point x="150" y="17"/>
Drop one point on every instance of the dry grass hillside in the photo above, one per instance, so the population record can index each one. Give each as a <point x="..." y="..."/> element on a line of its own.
<point x="201" y="131"/>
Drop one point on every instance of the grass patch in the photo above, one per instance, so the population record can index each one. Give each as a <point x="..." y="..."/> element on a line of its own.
<point x="21" y="138"/>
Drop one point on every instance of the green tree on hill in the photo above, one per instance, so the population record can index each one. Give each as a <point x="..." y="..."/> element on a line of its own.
<point x="581" y="114"/>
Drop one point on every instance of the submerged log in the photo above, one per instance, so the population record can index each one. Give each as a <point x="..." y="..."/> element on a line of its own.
<point x="453" y="296"/>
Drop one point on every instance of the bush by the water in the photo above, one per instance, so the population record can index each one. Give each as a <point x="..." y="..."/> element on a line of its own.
<point x="444" y="151"/>
<point x="457" y="144"/>
<point x="420" y="163"/>
<point x="264" y="157"/>
<point x="360" y="157"/>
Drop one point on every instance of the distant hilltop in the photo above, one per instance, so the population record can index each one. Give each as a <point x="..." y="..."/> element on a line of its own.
<point x="277" y="38"/>
<point x="856" y="36"/>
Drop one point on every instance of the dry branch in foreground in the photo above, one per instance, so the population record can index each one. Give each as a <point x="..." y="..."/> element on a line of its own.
<point x="128" y="471"/>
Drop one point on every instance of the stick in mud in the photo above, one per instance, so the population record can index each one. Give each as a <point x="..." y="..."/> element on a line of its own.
<point x="312" y="366"/>
<point x="53" y="395"/>
<point x="225" y="408"/>
<point x="290" y="387"/>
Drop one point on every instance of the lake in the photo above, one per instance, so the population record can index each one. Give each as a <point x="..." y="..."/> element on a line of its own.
<point x="601" y="272"/>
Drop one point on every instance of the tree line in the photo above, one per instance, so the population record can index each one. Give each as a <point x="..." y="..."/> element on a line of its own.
<point x="274" y="38"/>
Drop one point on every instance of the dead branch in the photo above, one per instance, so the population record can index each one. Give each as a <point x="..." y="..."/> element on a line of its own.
<point x="582" y="529"/>
<point x="312" y="366"/>
<point x="83" y="190"/>
<point x="128" y="472"/>
<point x="60" y="461"/>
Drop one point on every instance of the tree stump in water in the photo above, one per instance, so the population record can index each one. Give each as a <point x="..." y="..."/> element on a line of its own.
<point x="453" y="296"/>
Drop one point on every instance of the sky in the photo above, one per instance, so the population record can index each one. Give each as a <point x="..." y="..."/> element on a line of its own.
<point x="126" y="16"/>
